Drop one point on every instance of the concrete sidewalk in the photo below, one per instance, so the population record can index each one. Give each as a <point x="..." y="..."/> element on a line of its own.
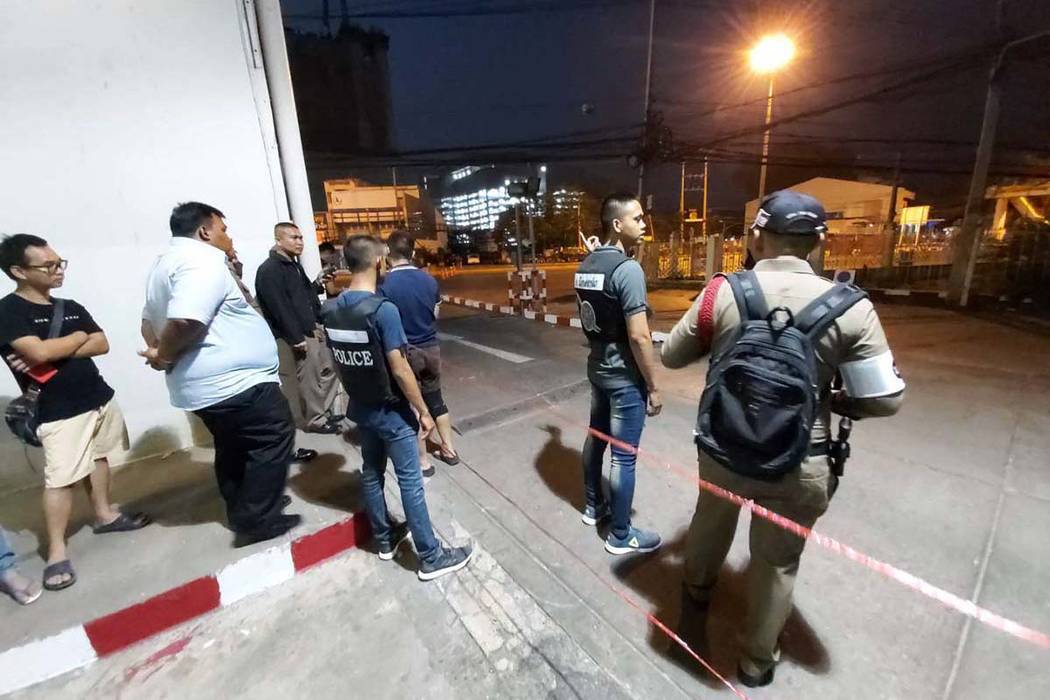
<point x="956" y="489"/>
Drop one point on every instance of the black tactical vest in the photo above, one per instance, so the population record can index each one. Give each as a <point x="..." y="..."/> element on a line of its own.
<point x="358" y="351"/>
<point x="601" y="313"/>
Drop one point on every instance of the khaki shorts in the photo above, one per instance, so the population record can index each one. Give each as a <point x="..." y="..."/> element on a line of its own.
<point x="72" y="445"/>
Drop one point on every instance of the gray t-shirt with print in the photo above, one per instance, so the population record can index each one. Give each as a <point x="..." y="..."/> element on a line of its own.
<point x="611" y="365"/>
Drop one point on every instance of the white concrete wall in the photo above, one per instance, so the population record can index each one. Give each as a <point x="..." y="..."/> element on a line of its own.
<point x="111" y="113"/>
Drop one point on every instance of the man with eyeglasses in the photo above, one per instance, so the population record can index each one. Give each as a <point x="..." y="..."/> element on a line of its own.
<point x="79" y="421"/>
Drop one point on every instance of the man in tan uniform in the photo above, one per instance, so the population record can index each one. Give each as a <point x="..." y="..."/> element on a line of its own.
<point x="787" y="228"/>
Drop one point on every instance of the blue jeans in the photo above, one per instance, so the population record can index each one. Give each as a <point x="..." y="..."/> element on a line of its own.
<point x="390" y="431"/>
<point x="7" y="557"/>
<point x="621" y="414"/>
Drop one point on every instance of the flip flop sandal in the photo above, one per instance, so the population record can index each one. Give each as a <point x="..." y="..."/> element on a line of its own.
<point x="59" y="568"/>
<point x="451" y="461"/>
<point x="124" y="523"/>
<point x="22" y="596"/>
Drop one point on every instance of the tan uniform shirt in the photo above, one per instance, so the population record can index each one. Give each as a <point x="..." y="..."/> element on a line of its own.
<point x="789" y="281"/>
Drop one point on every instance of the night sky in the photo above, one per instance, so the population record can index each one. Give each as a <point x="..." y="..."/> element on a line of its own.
<point x="470" y="80"/>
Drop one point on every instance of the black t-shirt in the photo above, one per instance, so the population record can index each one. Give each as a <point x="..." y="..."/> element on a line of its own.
<point x="77" y="387"/>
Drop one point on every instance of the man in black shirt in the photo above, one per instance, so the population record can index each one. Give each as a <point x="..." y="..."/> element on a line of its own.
<point x="79" y="422"/>
<point x="289" y="303"/>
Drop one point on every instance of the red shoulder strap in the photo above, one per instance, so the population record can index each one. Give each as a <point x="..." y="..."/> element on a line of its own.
<point x="705" y="315"/>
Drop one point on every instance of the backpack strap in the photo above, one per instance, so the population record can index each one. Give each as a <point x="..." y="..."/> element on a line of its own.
<point x="750" y="300"/>
<point x="58" y="314"/>
<point x="820" y="313"/>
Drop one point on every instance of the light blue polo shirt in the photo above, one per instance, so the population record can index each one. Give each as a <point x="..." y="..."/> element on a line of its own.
<point x="191" y="281"/>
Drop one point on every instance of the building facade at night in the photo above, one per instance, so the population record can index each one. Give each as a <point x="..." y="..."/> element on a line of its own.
<point x="345" y="74"/>
<point x="355" y="206"/>
<point x="473" y="198"/>
<point x="852" y="206"/>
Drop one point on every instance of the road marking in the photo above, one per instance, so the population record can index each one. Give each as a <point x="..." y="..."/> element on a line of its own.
<point x="502" y="354"/>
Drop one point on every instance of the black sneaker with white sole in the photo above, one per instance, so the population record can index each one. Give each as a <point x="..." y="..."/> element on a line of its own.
<point x="398" y="534"/>
<point x="448" y="559"/>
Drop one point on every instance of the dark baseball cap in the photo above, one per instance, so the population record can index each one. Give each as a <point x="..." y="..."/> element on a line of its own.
<point x="789" y="212"/>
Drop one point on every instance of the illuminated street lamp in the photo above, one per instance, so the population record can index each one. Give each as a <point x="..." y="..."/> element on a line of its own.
<point x="772" y="53"/>
<point x="769" y="55"/>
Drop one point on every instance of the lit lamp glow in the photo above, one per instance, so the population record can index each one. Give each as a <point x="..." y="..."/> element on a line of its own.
<point x="772" y="53"/>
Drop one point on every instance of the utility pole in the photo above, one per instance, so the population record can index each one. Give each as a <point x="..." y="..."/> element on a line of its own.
<point x="517" y="235"/>
<point x="681" y="205"/>
<point x="968" y="243"/>
<point x="532" y="232"/>
<point x="703" y="224"/>
<point x="648" y="85"/>
<point x="579" y="230"/>
<point x="891" y="216"/>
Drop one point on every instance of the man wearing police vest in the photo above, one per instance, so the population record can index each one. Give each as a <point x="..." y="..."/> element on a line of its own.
<point x="610" y="292"/>
<point x="368" y="342"/>
<point x="778" y="335"/>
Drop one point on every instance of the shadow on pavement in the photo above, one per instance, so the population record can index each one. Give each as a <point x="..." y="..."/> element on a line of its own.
<point x="711" y="631"/>
<point x="323" y="482"/>
<point x="195" y="504"/>
<point x="560" y="467"/>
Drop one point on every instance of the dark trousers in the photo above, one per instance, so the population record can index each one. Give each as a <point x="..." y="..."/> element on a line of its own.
<point x="254" y="436"/>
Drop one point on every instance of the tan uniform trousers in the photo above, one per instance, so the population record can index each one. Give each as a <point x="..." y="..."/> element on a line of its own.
<point x="801" y="495"/>
<point x="317" y="392"/>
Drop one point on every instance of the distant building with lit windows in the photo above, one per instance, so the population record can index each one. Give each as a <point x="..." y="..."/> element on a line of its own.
<point x="565" y="201"/>
<point x="474" y="197"/>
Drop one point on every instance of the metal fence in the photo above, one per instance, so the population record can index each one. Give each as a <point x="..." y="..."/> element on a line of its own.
<point x="688" y="260"/>
<point x="1013" y="268"/>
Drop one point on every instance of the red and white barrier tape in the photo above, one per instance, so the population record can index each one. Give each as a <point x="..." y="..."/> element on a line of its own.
<point x="966" y="607"/>
<point x="652" y="619"/>
<point x="655" y="622"/>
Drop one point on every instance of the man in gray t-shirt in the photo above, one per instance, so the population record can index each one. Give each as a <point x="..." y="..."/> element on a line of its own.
<point x="611" y="364"/>
<point x="610" y="291"/>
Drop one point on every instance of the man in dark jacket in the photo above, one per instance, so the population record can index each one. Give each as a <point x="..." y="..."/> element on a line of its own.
<point x="289" y="303"/>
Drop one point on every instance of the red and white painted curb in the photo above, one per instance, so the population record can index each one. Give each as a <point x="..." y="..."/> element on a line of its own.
<point x="552" y="319"/>
<point x="79" y="646"/>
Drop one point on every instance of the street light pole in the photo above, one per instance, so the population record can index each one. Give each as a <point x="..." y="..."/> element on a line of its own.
<point x="765" y="141"/>
<point x="770" y="54"/>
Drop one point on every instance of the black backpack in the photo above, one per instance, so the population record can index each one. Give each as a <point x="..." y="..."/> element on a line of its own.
<point x="758" y="407"/>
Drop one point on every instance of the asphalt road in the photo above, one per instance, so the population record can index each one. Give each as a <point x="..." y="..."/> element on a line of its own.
<point x="488" y="283"/>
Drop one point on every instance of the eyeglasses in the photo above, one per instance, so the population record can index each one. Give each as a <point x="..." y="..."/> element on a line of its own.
<point x="51" y="267"/>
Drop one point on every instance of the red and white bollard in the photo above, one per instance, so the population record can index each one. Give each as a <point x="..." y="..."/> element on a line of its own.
<point x="527" y="290"/>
